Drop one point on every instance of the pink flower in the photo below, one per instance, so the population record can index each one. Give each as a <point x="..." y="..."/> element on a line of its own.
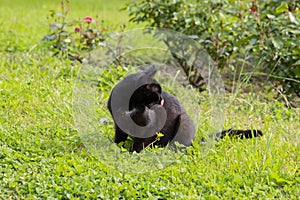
<point x="88" y="19"/>
<point x="252" y="9"/>
<point x="77" y="30"/>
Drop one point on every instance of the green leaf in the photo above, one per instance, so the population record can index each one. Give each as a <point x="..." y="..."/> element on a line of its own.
<point x="60" y="14"/>
<point x="297" y="63"/>
<point x="188" y="20"/>
<point x="282" y="8"/>
<point x="55" y="27"/>
<point x="278" y="44"/>
<point x="270" y="16"/>
<point x="293" y="19"/>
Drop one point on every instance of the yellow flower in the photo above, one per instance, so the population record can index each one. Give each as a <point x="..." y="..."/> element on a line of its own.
<point x="159" y="134"/>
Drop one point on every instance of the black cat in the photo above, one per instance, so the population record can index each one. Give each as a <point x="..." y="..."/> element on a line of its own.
<point x="140" y="106"/>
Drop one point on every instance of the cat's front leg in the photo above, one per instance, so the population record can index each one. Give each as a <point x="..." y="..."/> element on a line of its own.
<point x="140" y="143"/>
<point x="120" y="136"/>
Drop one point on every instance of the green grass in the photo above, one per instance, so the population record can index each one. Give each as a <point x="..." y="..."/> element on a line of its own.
<point x="43" y="156"/>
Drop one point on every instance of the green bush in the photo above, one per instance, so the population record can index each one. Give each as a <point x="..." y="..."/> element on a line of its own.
<point x="264" y="34"/>
<point x="71" y="39"/>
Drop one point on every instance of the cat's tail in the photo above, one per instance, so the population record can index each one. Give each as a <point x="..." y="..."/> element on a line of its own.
<point x="242" y="134"/>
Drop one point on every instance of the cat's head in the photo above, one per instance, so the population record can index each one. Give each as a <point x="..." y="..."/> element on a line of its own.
<point x="149" y="91"/>
<point x="147" y="95"/>
<point x="141" y="89"/>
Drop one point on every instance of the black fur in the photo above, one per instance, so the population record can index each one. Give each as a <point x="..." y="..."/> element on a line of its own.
<point x="242" y="134"/>
<point x="144" y="105"/>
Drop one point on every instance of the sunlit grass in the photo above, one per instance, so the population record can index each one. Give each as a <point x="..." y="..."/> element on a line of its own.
<point x="42" y="155"/>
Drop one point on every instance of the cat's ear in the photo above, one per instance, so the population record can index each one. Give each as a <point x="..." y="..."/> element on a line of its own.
<point x="150" y="71"/>
<point x="146" y="74"/>
<point x="154" y="87"/>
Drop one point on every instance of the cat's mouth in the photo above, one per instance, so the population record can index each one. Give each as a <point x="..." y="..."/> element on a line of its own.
<point x="160" y="102"/>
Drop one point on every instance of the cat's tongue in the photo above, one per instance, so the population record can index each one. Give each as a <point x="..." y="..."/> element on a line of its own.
<point x="162" y="102"/>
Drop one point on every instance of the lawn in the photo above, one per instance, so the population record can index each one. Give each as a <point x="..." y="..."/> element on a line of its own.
<point x="43" y="156"/>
